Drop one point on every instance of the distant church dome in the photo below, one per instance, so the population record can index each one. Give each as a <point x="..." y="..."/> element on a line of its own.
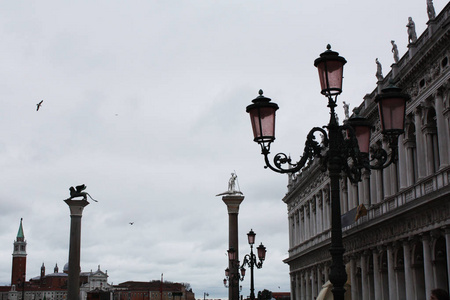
<point x="66" y="268"/>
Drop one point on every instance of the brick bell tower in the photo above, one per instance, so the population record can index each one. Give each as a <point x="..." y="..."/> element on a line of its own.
<point x="19" y="261"/>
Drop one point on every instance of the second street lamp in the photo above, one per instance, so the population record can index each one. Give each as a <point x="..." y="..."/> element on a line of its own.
<point x="251" y="261"/>
<point x="343" y="149"/>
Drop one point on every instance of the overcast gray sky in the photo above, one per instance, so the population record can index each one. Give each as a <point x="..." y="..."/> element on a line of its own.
<point x="144" y="102"/>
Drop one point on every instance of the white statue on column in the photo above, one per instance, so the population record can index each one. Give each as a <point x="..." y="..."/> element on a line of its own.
<point x="232" y="186"/>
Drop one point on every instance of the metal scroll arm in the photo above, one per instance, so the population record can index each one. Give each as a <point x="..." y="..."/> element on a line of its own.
<point x="312" y="149"/>
<point x="380" y="156"/>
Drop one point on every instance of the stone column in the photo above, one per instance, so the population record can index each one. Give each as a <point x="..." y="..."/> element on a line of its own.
<point x="292" y="230"/>
<point x="302" y="224"/>
<point x="73" y="282"/>
<point x="302" y="287"/>
<point x="429" y="152"/>
<point x="364" y="278"/>
<point x="326" y="203"/>
<point x="314" y="283"/>
<point x="402" y="163"/>
<point x="420" y="144"/>
<point x="442" y="131"/>
<point x="318" y="214"/>
<point x="391" y="273"/>
<point x="296" y="288"/>
<point x="373" y="190"/>
<point x="447" y="245"/>
<point x="376" y="275"/>
<point x="427" y="265"/>
<point x="409" y="281"/>
<point x="307" y="221"/>
<point x="323" y="216"/>
<point x="366" y="187"/>
<point x="326" y="272"/>
<point x="361" y="193"/>
<point x="386" y="176"/>
<point x="319" y="279"/>
<point x="308" y="285"/>
<point x="233" y="201"/>
<point x="346" y="194"/>
<point x="295" y="229"/>
<point x="410" y="166"/>
<point x="379" y="185"/>
<point x="313" y="217"/>
<point x="354" y="290"/>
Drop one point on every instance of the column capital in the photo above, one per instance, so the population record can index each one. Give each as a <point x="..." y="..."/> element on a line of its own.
<point x="76" y="206"/>
<point x="233" y="202"/>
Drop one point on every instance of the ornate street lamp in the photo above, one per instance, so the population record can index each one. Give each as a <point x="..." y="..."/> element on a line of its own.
<point x="343" y="149"/>
<point x="251" y="261"/>
<point x="231" y="277"/>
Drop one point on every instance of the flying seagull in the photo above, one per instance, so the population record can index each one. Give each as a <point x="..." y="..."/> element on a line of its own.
<point x="39" y="105"/>
<point x="131" y="223"/>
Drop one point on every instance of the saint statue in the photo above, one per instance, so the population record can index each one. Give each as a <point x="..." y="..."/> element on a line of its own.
<point x="379" y="73"/>
<point x="412" y="36"/>
<point x="232" y="186"/>
<point x="395" y="51"/>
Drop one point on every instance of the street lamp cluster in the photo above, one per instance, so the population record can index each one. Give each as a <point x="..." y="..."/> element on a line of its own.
<point x="343" y="148"/>
<point x="250" y="260"/>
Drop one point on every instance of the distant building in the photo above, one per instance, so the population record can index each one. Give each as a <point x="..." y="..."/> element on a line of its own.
<point x="281" y="295"/>
<point x="400" y="248"/>
<point x="153" y="290"/>
<point x="93" y="285"/>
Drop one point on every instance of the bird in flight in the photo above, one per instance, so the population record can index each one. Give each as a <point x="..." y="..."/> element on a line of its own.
<point x="39" y="105"/>
<point x="131" y="223"/>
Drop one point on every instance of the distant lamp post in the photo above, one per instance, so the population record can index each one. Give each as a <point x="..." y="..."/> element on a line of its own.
<point x="251" y="261"/>
<point x="343" y="149"/>
<point x="204" y="295"/>
<point x="21" y="284"/>
<point x="232" y="278"/>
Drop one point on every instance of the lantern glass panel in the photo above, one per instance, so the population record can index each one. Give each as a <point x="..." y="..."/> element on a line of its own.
<point x="363" y="137"/>
<point x="392" y="114"/>
<point x="263" y="123"/>
<point x="251" y="237"/>
<point x="333" y="71"/>
<point x="261" y="252"/>
<point x="231" y="254"/>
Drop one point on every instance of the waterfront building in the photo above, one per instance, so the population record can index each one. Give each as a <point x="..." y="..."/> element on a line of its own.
<point x="93" y="285"/>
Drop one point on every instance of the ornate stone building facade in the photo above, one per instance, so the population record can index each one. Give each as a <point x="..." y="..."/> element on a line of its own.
<point x="401" y="248"/>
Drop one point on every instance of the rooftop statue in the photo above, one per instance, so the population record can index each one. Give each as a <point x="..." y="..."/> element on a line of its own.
<point x="232" y="186"/>
<point x="379" y="73"/>
<point x="346" y="110"/>
<point x="395" y="51"/>
<point x="430" y="10"/>
<point x="412" y="36"/>
<point x="78" y="192"/>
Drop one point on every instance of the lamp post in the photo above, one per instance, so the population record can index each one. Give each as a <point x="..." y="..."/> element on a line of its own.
<point x="232" y="275"/>
<point x="251" y="261"/>
<point x="343" y="149"/>
<point x="21" y="283"/>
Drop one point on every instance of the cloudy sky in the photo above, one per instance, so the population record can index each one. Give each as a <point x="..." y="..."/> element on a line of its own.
<point x="144" y="102"/>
